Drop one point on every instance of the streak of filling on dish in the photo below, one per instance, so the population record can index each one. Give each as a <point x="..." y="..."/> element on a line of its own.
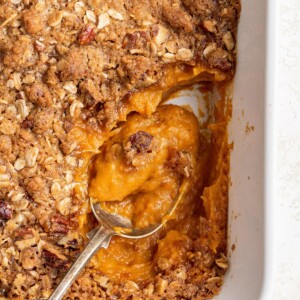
<point x="73" y="75"/>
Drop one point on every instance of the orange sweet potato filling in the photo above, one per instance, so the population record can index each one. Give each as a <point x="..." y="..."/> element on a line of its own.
<point x="142" y="185"/>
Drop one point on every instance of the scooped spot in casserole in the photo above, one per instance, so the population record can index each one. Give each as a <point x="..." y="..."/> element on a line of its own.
<point x="136" y="170"/>
<point x="137" y="174"/>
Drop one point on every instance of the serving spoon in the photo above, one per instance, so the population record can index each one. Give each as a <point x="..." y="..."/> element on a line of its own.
<point x="110" y="224"/>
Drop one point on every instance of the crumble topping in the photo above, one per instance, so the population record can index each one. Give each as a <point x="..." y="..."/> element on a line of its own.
<point x="63" y="60"/>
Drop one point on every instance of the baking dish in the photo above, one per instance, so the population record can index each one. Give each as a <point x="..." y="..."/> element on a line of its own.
<point x="240" y="157"/>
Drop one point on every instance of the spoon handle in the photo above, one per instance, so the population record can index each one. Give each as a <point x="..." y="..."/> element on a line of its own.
<point x="99" y="240"/>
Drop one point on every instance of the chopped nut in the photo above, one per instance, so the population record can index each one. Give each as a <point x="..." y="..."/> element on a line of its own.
<point x="5" y="211"/>
<point x="140" y="142"/>
<point x="59" y="225"/>
<point x="71" y="240"/>
<point x="31" y="155"/>
<point x="38" y="46"/>
<point x="27" y="123"/>
<point x="87" y="35"/>
<point x="220" y="59"/>
<point x="54" y="261"/>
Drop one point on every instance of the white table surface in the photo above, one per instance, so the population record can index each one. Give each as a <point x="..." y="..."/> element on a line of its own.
<point x="287" y="154"/>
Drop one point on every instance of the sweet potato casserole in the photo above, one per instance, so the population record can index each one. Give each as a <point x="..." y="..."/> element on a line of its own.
<point x="82" y="83"/>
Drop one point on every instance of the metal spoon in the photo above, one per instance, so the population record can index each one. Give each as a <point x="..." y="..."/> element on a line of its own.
<point x="111" y="224"/>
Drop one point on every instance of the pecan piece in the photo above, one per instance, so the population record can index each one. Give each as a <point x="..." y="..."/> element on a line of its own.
<point x="140" y="142"/>
<point x="220" y="59"/>
<point x="86" y="35"/>
<point x="53" y="261"/>
<point x="59" y="225"/>
<point x="137" y="39"/>
<point x="5" y="211"/>
<point x="23" y="233"/>
<point x="68" y="125"/>
<point x="139" y="148"/>
<point x="27" y="123"/>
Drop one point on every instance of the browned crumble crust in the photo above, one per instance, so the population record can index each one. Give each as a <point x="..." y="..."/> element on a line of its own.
<point x="61" y="58"/>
